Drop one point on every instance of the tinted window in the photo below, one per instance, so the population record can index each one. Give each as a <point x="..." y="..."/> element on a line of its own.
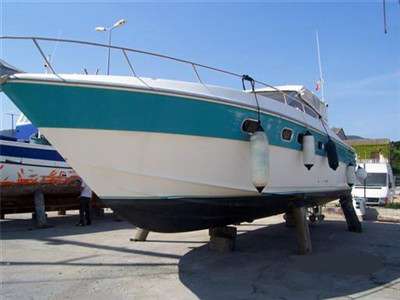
<point x="374" y="179"/>
<point x="296" y="104"/>
<point x="310" y="112"/>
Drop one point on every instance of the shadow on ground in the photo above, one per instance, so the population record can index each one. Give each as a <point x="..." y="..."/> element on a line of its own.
<point x="22" y="228"/>
<point x="265" y="264"/>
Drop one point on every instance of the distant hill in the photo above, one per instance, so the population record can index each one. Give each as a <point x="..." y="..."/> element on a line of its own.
<point x="354" y="137"/>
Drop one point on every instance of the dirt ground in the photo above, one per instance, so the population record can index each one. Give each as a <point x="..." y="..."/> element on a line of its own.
<point x="99" y="262"/>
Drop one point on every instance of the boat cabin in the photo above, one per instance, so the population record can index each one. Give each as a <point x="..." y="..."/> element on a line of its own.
<point x="298" y="97"/>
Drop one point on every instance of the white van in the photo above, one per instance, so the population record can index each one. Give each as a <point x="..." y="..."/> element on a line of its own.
<point x="378" y="188"/>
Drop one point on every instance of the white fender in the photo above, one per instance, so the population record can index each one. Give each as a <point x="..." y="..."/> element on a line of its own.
<point x="308" y="150"/>
<point x="259" y="156"/>
<point x="351" y="174"/>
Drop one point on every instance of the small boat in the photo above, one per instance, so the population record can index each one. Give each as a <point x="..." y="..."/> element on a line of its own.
<point x="29" y="163"/>
<point x="173" y="156"/>
<point x="25" y="167"/>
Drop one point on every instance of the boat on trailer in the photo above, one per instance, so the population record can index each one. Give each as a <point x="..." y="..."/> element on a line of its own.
<point x="173" y="156"/>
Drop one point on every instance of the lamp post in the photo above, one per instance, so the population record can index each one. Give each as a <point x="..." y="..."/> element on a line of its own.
<point x="110" y="29"/>
<point x="12" y="121"/>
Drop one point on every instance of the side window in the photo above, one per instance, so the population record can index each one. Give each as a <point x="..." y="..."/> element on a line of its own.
<point x="294" y="101"/>
<point x="287" y="134"/>
<point x="296" y="104"/>
<point x="310" y="112"/>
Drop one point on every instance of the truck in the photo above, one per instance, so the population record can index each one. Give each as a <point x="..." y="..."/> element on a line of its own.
<point x="378" y="187"/>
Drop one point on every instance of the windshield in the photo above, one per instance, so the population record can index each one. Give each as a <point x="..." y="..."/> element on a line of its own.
<point x="374" y="179"/>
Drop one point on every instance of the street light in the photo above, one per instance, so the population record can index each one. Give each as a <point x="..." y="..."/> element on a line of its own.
<point x="109" y="29"/>
<point x="12" y="120"/>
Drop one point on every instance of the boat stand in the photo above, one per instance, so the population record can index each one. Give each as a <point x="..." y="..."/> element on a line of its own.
<point x="39" y="216"/>
<point x="353" y="223"/>
<point x="141" y="235"/>
<point x="298" y="215"/>
<point x="222" y="239"/>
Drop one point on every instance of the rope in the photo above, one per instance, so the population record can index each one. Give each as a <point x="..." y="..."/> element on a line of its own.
<point x="326" y="130"/>
<point x="252" y="83"/>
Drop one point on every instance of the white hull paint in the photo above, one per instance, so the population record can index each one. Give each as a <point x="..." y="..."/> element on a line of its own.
<point x="126" y="164"/>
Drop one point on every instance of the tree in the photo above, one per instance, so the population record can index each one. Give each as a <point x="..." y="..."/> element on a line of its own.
<point x="395" y="157"/>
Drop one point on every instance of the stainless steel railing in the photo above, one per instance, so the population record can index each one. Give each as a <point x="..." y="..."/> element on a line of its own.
<point x="124" y="51"/>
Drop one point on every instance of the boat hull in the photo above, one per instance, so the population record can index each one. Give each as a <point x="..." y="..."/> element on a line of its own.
<point x="169" y="160"/>
<point x="126" y="164"/>
<point x="188" y="214"/>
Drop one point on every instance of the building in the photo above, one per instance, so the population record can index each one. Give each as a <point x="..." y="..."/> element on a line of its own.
<point x="371" y="149"/>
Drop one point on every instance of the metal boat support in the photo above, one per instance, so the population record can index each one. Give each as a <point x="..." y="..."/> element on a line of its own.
<point x="353" y="224"/>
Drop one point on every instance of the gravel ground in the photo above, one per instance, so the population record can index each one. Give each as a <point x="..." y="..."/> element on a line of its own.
<point x="99" y="262"/>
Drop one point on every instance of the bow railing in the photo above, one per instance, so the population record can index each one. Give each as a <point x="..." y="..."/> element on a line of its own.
<point x="125" y="50"/>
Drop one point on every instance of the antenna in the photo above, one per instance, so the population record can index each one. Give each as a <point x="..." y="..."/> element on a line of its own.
<point x="321" y="79"/>
<point x="384" y="17"/>
<point x="50" y="56"/>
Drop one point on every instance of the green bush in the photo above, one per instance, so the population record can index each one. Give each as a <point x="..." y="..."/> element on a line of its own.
<point x="393" y="205"/>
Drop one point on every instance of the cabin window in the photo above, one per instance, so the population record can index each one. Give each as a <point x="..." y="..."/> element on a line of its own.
<point x="320" y="145"/>
<point x="296" y="104"/>
<point x="287" y="134"/>
<point x="250" y="125"/>
<point x="310" y="112"/>
<point x="278" y="96"/>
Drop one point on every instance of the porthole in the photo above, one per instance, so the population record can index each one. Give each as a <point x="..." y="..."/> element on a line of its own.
<point x="250" y="126"/>
<point x="287" y="134"/>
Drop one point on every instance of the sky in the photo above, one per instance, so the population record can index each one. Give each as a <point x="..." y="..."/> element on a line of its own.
<point x="273" y="41"/>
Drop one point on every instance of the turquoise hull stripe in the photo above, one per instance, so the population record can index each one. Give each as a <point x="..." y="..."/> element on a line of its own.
<point x="59" y="106"/>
